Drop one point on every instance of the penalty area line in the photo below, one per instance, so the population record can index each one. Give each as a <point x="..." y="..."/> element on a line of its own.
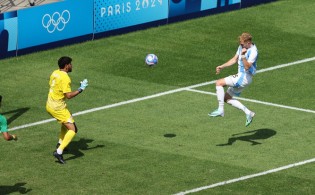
<point x="257" y="101"/>
<point x="247" y="177"/>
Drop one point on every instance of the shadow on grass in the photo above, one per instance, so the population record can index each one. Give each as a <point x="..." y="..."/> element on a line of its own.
<point x="251" y="136"/>
<point x="169" y="135"/>
<point x="18" y="187"/>
<point x="18" y="113"/>
<point x="76" y="147"/>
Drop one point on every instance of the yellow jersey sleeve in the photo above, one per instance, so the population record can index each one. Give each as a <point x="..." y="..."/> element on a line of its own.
<point x="59" y="83"/>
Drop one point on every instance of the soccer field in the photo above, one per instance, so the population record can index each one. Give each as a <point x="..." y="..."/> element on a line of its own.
<point x="146" y="130"/>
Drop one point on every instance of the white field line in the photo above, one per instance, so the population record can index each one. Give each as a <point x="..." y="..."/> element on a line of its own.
<point x="265" y="103"/>
<point x="285" y="65"/>
<point x="247" y="177"/>
<point x="257" y="101"/>
<point x="156" y="95"/>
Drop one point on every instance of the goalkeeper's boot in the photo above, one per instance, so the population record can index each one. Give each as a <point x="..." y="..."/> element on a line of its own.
<point x="59" y="157"/>
<point x="249" y="118"/>
<point x="14" y="137"/>
<point x="216" y="113"/>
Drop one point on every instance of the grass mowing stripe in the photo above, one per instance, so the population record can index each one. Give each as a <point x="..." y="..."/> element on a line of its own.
<point x="247" y="177"/>
<point x="257" y="101"/>
<point x="157" y="95"/>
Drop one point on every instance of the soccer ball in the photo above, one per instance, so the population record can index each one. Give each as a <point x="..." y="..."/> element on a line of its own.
<point x="151" y="59"/>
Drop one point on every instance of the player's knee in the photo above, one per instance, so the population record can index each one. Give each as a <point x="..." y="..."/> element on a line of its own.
<point x="220" y="82"/>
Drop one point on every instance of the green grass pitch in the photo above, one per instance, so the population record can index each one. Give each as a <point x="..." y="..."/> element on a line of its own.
<point x="152" y="134"/>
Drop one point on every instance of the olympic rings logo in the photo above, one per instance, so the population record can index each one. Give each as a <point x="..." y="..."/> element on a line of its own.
<point x="56" y="21"/>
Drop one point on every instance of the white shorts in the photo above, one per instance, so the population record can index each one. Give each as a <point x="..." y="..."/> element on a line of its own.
<point x="237" y="83"/>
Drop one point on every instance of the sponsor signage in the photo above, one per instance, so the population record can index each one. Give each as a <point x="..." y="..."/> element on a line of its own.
<point x="65" y="22"/>
<point x="54" y="22"/>
<point x="115" y="14"/>
<point x="183" y="7"/>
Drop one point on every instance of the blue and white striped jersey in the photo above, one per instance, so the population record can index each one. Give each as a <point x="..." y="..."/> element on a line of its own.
<point x="251" y="56"/>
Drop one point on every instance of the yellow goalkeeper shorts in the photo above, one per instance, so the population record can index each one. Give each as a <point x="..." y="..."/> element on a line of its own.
<point x="62" y="116"/>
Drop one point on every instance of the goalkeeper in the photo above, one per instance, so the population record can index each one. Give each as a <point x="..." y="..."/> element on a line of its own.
<point x="4" y="127"/>
<point x="60" y="89"/>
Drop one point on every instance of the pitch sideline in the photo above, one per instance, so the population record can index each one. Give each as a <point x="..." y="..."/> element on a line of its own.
<point x="157" y="95"/>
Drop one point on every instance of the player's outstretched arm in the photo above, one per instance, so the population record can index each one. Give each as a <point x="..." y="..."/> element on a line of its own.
<point x="226" y="64"/>
<point x="83" y="85"/>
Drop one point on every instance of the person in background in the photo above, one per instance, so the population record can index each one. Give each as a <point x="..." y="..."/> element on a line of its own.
<point x="4" y="127"/>
<point x="32" y="2"/>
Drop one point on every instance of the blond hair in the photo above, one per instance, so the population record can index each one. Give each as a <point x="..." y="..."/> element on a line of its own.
<point x="246" y="37"/>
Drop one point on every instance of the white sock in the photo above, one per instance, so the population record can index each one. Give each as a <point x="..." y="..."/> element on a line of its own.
<point x="239" y="105"/>
<point x="59" y="151"/>
<point x="220" y="96"/>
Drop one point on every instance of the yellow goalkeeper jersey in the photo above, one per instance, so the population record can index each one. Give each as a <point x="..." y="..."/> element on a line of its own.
<point x="60" y="83"/>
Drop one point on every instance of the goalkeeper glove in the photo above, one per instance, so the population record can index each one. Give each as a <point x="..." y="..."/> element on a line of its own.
<point x="83" y="85"/>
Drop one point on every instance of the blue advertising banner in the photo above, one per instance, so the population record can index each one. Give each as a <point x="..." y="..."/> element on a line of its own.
<point x="8" y="33"/>
<point x="115" y="14"/>
<point x="223" y="3"/>
<point x="182" y="7"/>
<point x="54" y="22"/>
<point x="210" y="4"/>
<point x="248" y="3"/>
<point x="66" y="22"/>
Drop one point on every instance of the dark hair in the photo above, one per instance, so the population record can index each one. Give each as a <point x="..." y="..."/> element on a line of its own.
<point x="63" y="61"/>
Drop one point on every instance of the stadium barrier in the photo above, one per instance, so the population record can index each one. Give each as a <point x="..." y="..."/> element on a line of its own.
<point x="62" y="23"/>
